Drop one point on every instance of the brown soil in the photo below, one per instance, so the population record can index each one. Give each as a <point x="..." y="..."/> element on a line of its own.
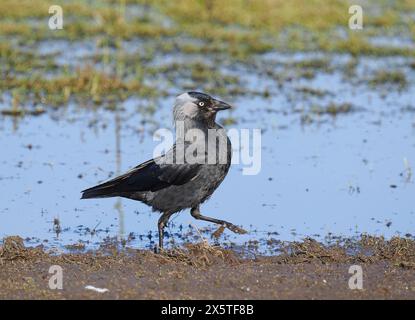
<point x="304" y="270"/>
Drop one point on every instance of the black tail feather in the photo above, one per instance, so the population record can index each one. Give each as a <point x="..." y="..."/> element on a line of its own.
<point x="97" y="193"/>
<point x="104" y="190"/>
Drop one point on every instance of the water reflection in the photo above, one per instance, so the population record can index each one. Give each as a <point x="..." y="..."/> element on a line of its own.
<point x="343" y="176"/>
<point x="118" y="205"/>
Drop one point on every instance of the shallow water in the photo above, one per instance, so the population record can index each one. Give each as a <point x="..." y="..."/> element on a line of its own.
<point x="343" y="175"/>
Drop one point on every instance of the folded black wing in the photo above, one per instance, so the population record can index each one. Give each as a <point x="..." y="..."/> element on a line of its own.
<point x="148" y="176"/>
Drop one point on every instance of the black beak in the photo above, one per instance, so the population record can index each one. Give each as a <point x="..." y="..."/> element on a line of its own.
<point x="220" y="105"/>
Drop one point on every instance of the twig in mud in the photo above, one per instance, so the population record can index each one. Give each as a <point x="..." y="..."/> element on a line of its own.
<point x="199" y="233"/>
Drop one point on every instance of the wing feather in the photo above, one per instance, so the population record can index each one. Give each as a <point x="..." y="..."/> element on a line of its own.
<point x="148" y="176"/>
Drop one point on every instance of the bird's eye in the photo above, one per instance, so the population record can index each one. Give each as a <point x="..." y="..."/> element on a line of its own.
<point x="201" y="103"/>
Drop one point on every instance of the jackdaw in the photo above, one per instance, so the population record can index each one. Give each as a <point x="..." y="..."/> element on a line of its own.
<point x="187" y="174"/>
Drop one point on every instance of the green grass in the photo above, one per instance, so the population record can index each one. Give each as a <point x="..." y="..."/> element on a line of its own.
<point x="382" y="78"/>
<point x="217" y="33"/>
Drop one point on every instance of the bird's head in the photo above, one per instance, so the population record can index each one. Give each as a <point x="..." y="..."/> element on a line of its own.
<point x="197" y="106"/>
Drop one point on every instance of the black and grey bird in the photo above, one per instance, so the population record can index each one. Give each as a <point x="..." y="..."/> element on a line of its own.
<point x="169" y="185"/>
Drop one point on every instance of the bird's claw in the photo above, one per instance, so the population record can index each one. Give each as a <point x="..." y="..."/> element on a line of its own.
<point x="234" y="228"/>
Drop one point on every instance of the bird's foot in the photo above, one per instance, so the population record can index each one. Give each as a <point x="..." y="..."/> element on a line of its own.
<point x="218" y="232"/>
<point x="234" y="228"/>
<point x="158" y="249"/>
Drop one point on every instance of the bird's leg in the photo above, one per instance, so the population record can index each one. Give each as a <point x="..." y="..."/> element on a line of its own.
<point x="161" y="224"/>
<point x="195" y="212"/>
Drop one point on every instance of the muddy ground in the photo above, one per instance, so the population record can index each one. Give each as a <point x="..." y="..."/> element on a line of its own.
<point x="303" y="270"/>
